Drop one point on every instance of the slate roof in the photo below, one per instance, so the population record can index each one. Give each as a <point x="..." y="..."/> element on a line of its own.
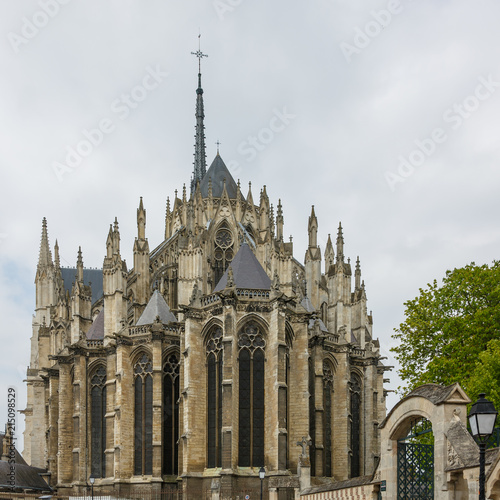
<point x="156" y="307"/>
<point x="247" y="272"/>
<point x="26" y="477"/>
<point x="218" y="172"/>
<point x="93" y="276"/>
<point x="96" y="330"/>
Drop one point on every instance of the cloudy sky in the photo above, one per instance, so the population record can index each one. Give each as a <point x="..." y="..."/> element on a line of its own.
<point x="383" y="114"/>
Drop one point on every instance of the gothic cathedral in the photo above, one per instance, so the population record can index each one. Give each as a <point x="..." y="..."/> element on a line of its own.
<point x="215" y="355"/>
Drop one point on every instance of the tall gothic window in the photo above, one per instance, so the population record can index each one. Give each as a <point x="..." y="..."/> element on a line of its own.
<point x="355" y="424"/>
<point x="98" y="422"/>
<point x="214" y="398"/>
<point x="143" y="424"/>
<point x="327" y="416"/>
<point x="312" y="416"/>
<point x="171" y="415"/>
<point x="223" y="253"/>
<point x="251" y="346"/>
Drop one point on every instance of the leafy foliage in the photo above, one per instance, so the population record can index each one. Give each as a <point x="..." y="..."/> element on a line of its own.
<point x="448" y="327"/>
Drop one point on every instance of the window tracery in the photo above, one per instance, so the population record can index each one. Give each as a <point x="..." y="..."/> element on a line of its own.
<point x="251" y="346"/>
<point x="171" y="415"/>
<point x="223" y="251"/>
<point x="143" y="422"/>
<point x="214" y="397"/>
<point x="98" y="422"/>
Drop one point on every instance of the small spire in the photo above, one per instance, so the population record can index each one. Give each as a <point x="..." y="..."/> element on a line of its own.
<point x="357" y="274"/>
<point x="45" y="257"/>
<point x="184" y="193"/>
<point x="79" y="265"/>
<point x="340" y="244"/>
<point x="168" y="206"/>
<point x="279" y="222"/>
<point x="56" y="256"/>
<point x="312" y="229"/>
<point x="141" y="221"/>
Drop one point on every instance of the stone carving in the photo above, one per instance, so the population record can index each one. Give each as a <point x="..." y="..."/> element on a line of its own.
<point x="304" y="458"/>
<point x="453" y="458"/>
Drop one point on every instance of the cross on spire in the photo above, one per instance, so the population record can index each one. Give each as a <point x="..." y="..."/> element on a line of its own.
<point x="199" y="54"/>
<point x="218" y="144"/>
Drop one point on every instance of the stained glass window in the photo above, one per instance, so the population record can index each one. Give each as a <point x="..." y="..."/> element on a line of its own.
<point x="223" y="251"/>
<point x="251" y="396"/>
<point x="143" y="421"/>
<point x="98" y="422"/>
<point x="171" y="415"/>
<point x="328" y="420"/>
<point x="214" y="398"/>
<point x="312" y="416"/>
<point x="355" y="424"/>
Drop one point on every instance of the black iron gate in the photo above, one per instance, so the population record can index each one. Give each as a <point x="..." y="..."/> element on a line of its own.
<point x="415" y="466"/>
<point x="415" y="471"/>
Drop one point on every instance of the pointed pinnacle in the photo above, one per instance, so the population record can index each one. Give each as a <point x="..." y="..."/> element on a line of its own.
<point x="141" y="206"/>
<point x="115" y="226"/>
<point x="45" y="257"/>
<point x="358" y="267"/>
<point x="56" y="255"/>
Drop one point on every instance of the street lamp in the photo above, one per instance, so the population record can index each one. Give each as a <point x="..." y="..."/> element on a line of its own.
<point x="262" y="475"/>
<point x="482" y="418"/>
<point x="92" y="481"/>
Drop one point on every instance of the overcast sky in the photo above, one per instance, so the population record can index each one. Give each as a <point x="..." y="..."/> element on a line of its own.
<point x="382" y="114"/>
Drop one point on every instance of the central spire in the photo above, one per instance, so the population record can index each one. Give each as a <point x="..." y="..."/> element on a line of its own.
<point x="200" y="163"/>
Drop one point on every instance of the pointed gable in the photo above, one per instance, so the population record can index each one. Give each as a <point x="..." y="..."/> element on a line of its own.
<point x="247" y="272"/>
<point x="218" y="172"/>
<point x="156" y="307"/>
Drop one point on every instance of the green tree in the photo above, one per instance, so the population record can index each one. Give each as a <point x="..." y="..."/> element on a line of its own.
<point x="486" y="376"/>
<point x="447" y="327"/>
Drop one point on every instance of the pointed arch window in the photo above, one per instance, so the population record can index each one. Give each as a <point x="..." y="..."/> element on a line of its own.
<point x="312" y="416"/>
<point x="223" y="251"/>
<point x="143" y="421"/>
<point x="98" y="422"/>
<point x="214" y="398"/>
<point x="251" y="359"/>
<point x="355" y="424"/>
<point x="171" y="415"/>
<point x="327" y="418"/>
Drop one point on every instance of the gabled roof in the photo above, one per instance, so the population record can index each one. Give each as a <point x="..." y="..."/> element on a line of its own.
<point x="156" y="307"/>
<point x="218" y="172"/>
<point x="247" y="272"/>
<point x="96" y="330"/>
<point x="93" y="276"/>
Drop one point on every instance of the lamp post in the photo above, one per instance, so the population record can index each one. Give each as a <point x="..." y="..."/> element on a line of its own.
<point x="482" y="418"/>
<point x="92" y="481"/>
<point x="262" y="475"/>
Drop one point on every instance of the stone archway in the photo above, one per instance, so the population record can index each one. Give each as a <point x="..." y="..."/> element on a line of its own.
<point x="441" y="406"/>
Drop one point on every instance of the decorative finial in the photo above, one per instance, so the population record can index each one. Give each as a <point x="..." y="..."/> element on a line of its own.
<point x="218" y="144"/>
<point x="199" y="54"/>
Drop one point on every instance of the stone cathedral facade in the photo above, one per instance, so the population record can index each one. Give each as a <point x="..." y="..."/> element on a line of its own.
<point x="213" y="356"/>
